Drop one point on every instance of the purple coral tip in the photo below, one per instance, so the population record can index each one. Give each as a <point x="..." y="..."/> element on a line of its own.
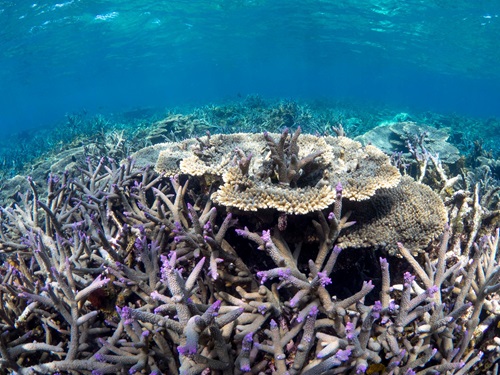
<point x="408" y="278"/>
<point x="314" y="311"/>
<point x="338" y="188"/>
<point x="266" y="235"/>
<point x="361" y="369"/>
<point x="126" y="314"/>
<point x="216" y="305"/>
<point x="262" y="275"/>
<point x="245" y="368"/>
<point x="248" y="338"/>
<point x="262" y="309"/>
<point x="343" y="355"/>
<point x="324" y="279"/>
<point x="432" y="290"/>
<point x="350" y="330"/>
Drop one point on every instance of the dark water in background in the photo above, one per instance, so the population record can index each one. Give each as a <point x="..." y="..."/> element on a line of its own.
<point x="57" y="58"/>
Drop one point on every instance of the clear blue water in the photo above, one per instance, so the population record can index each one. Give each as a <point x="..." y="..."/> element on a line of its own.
<point x="57" y="58"/>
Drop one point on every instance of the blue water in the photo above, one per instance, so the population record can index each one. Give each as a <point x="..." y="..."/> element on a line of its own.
<point x="107" y="56"/>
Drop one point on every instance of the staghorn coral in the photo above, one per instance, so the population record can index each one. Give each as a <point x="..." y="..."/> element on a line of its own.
<point x="124" y="270"/>
<point x="65" y="289"/>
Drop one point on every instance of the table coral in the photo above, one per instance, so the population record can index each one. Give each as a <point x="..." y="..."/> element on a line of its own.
<point x="286" y="172"/>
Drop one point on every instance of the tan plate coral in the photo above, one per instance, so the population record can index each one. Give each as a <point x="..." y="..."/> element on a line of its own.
<point x="291" y="174"/>
<point x="410" y="213"/>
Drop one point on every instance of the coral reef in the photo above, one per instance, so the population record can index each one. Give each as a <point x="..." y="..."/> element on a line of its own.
<point x="129" y="268"/>
<point x="405" y="135"/>
<point x="145" y="126"/>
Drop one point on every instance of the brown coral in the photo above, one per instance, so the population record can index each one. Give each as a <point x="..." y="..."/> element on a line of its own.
<point x="410" y="213"/>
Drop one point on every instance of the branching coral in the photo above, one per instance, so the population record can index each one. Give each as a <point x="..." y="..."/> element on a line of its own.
<point x="125" y="270"/>
<point x="285" y="157"/>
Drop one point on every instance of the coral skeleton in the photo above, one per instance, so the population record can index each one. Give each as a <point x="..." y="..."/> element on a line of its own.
<point x="128" y="269"/>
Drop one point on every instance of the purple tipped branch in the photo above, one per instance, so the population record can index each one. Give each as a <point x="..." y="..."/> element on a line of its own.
<point x="244" y="357"/>
<point x="306" y="342"/>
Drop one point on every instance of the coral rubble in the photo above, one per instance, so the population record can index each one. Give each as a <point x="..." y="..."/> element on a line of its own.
<point x="237" y="254"/>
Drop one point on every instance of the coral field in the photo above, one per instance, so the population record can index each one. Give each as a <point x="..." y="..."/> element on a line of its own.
<point x="251" y="253"/>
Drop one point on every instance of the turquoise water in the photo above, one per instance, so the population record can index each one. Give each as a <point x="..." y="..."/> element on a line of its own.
<point x="106" y="56"/>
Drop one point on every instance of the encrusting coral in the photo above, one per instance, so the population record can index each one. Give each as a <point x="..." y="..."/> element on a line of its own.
<point x="124" y="269"/>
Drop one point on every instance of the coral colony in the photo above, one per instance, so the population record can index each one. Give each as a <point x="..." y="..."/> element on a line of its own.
<point x="243" y="253"/>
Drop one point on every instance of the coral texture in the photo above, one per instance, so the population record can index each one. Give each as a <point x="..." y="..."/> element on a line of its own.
<point x="410" y="213"/>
